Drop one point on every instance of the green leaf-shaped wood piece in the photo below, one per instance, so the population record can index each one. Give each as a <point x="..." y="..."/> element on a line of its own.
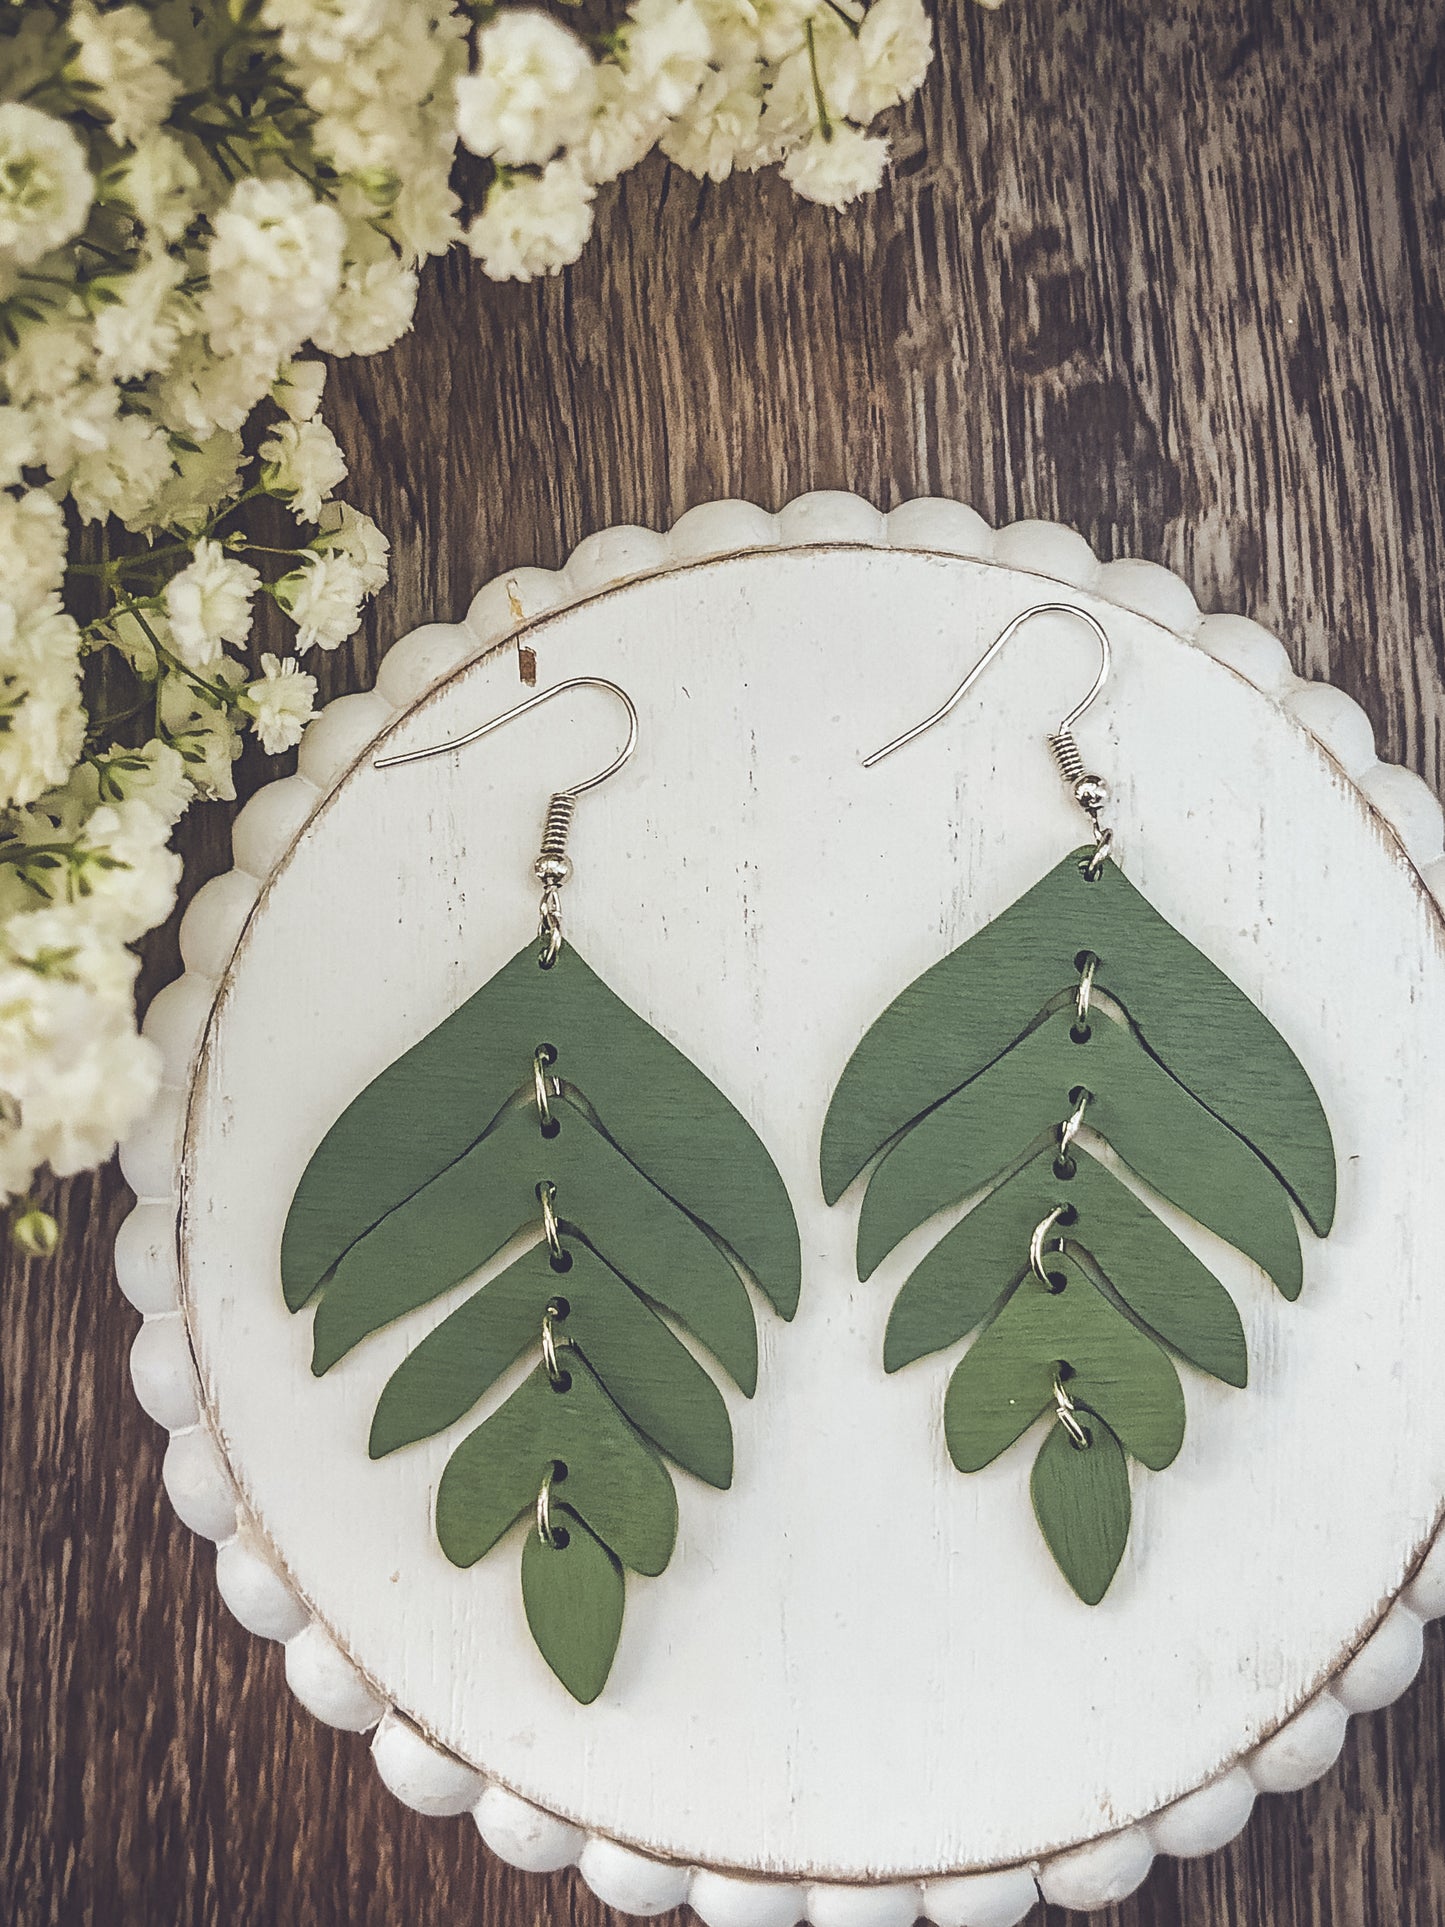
<point x="451" y="1226"/>
<point x="955" y="1285"/>
<point x="1005" y="1379"/>
<point x="958" y="1016"/>
<point x="1176" y="1146"/>
<point x="649" y="1373"/>
<point x="573" y="1593"/>
<point x="612" y="1478"/>
<point x="428" y="1108"/>
<point x="1081" y="1501"/>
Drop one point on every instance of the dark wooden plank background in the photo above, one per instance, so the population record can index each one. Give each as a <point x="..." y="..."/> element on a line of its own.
<point x="1172" y="275"/>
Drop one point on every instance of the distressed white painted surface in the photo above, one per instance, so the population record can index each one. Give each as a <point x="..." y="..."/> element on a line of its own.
<point x="757" y="896"/>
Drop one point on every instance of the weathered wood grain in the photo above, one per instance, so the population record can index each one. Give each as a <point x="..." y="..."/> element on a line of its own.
<point x="1172" y="275"/>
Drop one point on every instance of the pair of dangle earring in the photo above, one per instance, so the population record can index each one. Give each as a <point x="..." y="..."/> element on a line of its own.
<point x="1074" y="1064"/>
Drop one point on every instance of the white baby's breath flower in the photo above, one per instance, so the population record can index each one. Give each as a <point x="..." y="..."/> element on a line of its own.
<point x="894" y="47"/>
<point x="209" y="604"/>
<point x="137" y="330"/>
<point x="423" y="217"/>
<point x="121" y="59"/>
<point x="624" y="127"/>
<point x="373" y="308"/>
<point x="140" y="891"/>
<point x="718" y="130"/>
<point x="833" y="170"/>
<point x="782" y="24"/>
<point x="348" y="532"/>
<point x="32" y="550"/>
<point x="323" y="597"/>
<point x="667" y="50"/>
<point x="74" y="1073"/>
<point x="281" y="702"/>
<point x="42" y="723"/>
<point x="533" y="90"/>
<point x="201" y="391"/>
<point x="534" y="224"/>
<point x="201" y="730"/>
<point x="297" y="389"/>
<point x="275" y="265"/>
<point x="122" y="477"/>
<point x="160" y="182"/>
<point x="46" y="188"/>
<point x="202" y="478"/>
<point x="301" y="460"/>
<point x="18" y="446"/>
<point x="323" y="30"/>
<point x="155" y="775"/>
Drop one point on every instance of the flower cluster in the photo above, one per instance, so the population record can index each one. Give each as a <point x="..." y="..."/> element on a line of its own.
<point x="192" y="199"/>
<point x="188" y="197"/>
<point x="719" y="85"/>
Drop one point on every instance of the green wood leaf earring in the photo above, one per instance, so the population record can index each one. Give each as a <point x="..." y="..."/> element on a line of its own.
<point x="1078" y="1011"/>
<point x="545" y="1104"/>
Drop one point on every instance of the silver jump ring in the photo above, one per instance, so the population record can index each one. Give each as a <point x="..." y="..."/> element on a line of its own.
<point x="1072" y="1124"/>
<point x="547" y="1197"/>
<point x="546" y="1531"/>
<point x="542" y="1056"/>
<point x="1037" y="1243"/>
<point x="1066" y="1412"/>
<point x="1103" y="845"/>
<point x="1085" y="994"/>
<point x="560" y="1379"/>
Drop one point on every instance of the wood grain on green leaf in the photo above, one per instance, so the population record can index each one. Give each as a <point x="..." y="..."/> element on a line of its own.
<point x="613" y="1479"/>
<point x="428" y="1108"/>
<point x="1004" y="1381"/>
<point x="648" y="1372"/>
<point x="957" y="1282"/>
<point x="573" y="1594"/>
<point x="1081" y="1501"/>
<point x="1178" y="1148"/>
<point x="453" y="1225"/>
<point x="959" y="1015"/>
<point x="665" y="1204"/>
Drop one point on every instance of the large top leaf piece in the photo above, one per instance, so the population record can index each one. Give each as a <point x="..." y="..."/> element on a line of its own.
<point x="545" y="1104"/>
<point x="429" y="1107"/>
<point x="960" y="1015"/>
<point x="964" y="1086"/>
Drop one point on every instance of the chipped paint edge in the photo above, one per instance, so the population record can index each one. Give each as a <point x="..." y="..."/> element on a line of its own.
<point x="196" y="1475"/>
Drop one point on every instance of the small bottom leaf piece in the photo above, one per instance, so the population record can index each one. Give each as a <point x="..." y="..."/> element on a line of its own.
<point x="1081" y="1501"/>
<point x="573" y="1594"/>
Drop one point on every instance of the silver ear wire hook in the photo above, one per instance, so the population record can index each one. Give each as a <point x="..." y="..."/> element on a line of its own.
<point x="1091" y="793"/>
<point x="553" y="866"/>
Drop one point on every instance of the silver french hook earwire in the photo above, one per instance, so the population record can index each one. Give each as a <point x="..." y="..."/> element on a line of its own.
<point x="553" y="865"/>
<point x="1091" y="793"/>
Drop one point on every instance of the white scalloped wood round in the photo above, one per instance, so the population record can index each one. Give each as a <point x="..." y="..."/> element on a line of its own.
<point x="842" y="1700"/>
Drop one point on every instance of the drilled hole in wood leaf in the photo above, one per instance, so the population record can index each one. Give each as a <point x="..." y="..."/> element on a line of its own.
<point x="1064" y="1169"/>
<point x="1080" y="1033"/>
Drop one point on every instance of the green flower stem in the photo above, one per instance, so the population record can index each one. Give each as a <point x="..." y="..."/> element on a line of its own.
<point x="825" y="124"/>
